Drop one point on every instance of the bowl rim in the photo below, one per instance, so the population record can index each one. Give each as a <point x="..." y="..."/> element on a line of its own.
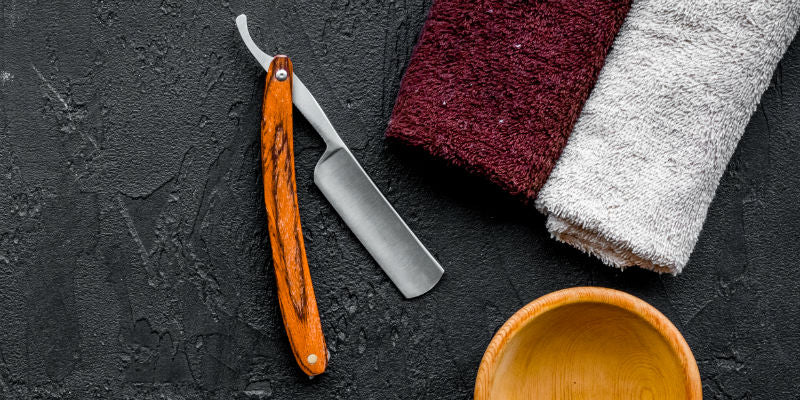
<point x="587" y="294"/>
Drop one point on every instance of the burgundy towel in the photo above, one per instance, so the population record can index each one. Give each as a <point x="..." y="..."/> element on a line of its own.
<point x="495" y="86"/>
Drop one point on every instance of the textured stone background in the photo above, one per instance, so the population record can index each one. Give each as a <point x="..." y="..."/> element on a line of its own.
<point x="134" y="260"/>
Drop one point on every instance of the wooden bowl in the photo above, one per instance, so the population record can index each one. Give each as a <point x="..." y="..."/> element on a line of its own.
<point x="588" y="343"/>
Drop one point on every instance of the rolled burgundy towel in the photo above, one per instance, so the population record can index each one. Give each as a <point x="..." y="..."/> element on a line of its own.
<point x="496" y="86"/>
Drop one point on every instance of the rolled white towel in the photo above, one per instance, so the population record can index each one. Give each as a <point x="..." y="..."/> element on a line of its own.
<point x="634" y="183"/>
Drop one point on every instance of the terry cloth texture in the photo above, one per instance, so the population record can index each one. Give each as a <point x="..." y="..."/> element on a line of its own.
<point x="636" y="178"/>
<point x="496" y="86"/>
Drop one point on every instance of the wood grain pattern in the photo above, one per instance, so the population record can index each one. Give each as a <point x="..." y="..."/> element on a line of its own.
<point x="295" y="292"/>
<point x="588" y="343"/>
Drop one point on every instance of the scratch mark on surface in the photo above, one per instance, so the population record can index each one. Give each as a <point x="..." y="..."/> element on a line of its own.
<point x="11" y="16"/>
<point x="73" y="115"/>
<point x="52" y="89"/>
<point x="698" y="312"/>
<point x="143" y="253"/>
<point x="258" y="393"/>
<point x="514" y="289"/>
<point x="3" y="373"/>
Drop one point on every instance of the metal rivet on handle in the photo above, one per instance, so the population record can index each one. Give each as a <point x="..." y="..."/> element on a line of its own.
<point x="312" y="358"/>
<point x="281" y="74"/>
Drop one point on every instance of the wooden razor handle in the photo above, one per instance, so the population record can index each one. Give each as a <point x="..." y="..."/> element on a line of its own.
<point x="295" y="292"/>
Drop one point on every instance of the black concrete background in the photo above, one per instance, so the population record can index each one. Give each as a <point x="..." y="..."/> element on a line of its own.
<point x="134" y="259"/>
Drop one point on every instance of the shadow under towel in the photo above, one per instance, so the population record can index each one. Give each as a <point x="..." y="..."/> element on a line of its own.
<point x="495" y="86"/>
<point x="636" y="178"/>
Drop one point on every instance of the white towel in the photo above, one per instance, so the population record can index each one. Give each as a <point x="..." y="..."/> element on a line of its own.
<point x="640" y="169"/>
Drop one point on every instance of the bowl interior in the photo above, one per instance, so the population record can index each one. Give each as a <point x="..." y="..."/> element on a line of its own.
<point x="588" y="351"/>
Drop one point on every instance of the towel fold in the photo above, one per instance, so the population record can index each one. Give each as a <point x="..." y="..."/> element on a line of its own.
<point x="495" y="86"/>
<point x="636" y="178"/>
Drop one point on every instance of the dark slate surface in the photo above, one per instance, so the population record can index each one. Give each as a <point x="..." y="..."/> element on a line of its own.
<point x="134" y="261"/>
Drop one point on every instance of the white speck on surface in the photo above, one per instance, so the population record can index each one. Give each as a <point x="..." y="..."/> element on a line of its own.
<point x="517" y="45"/>
<point x="6" y="76"/>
